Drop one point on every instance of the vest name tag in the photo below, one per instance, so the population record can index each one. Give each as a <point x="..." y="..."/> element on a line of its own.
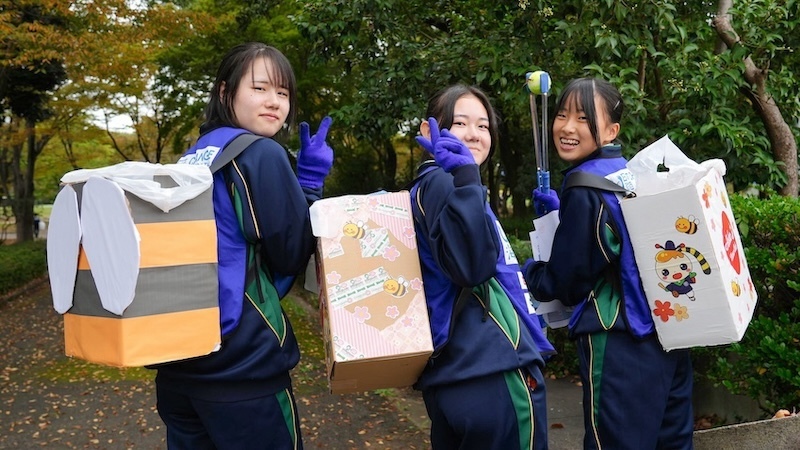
<point x="203" y="156"/>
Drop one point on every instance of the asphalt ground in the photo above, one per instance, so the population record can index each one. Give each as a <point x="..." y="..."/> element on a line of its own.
<point x="48" y="400"/>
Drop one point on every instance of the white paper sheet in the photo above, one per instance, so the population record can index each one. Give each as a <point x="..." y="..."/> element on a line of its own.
<point x="544" y="228"/>
<point x="111" y="242"/>
<point x="554" y="312"/>
<point x="310" y="283"/>
<point x="63" y="245"/>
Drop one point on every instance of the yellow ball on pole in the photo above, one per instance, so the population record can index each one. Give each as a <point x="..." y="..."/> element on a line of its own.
<point x="538" y="82"/>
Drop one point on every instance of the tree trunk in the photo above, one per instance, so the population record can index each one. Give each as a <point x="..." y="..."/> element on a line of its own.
<point x="390" y="165"/>
<point x="784" y="145"/>
<point x="23" y="185"/>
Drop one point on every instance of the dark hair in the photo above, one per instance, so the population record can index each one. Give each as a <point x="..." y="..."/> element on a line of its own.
<point x="219" y="110"/>
<point x="442" y="104"/>
<point x="580" y="93"/>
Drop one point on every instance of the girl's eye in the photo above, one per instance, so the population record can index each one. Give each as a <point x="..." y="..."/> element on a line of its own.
<point x="483" y="127"/>
<point x="461" y="124"/>
<point x="561" y="115"/>
<point x="283" y="93"/>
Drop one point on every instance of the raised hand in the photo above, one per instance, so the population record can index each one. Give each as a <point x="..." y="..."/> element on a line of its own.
<point x="448" y="150"/>
<point x="315" y="159"/>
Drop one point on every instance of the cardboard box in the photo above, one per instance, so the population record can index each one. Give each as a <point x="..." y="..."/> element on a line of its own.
<point x="372" y="301"/>
<point x="150" y="294"/>
<point x="692" y="265"/>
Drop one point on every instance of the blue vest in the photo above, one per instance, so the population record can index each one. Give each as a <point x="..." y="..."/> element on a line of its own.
<point x="637" y="315"/>
<point x="510" y="277"/>
<point x="441" y="292"/>
<point x="231" y="245"/>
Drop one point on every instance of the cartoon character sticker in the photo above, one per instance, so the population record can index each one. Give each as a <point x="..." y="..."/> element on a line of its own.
<point x="675" y="269"/>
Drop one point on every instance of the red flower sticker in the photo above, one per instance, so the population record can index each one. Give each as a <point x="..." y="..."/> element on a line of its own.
<point x="663" y="310"/>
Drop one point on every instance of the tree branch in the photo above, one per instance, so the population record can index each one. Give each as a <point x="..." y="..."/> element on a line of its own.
<point x="782" y="142"/>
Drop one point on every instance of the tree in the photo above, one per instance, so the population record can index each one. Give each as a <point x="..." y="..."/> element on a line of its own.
<point x="26" y="82"/>
<point x="661" y="54"/>
<point x="390" y="56"/>
<point x="48" y="44"/>
<point x="135" y="38"/>
<point x="756" y="75"/>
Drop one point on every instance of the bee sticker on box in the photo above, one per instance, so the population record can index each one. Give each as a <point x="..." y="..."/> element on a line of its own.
<point x="354" y="230"/>
<point x="397" y="288"/>
<point x="687" y="225"/>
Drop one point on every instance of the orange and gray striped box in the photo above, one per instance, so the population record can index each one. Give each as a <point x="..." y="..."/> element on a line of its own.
<point x="174" y="314"/>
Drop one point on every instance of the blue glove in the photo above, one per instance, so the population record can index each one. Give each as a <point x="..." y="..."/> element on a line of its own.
<point x="448" y="150"/>
<point x="527" y="265"/>
<point x="544" y="203"/>
<point x="316" y="157"/>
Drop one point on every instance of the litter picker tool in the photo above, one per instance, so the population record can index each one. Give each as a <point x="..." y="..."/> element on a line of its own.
<point x="538" y="83"/>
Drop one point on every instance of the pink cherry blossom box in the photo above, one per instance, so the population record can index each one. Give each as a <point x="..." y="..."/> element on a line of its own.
<point x="372" y="301"/>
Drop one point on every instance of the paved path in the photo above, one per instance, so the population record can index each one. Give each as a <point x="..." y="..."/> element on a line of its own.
<point x="50" y="401"/>
<point x="10" y="235"/>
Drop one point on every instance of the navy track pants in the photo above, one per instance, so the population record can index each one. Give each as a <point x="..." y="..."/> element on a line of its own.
<point x="268" y="423"/>
<point x="503" y="411"/>
<point x="635" y="395"/>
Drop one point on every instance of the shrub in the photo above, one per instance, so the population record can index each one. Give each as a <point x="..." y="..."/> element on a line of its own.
<point x="518" y="227"/>
<point x="21" y="263"/>
<point x="765" y="365"/>
<point x="522" y="249"/>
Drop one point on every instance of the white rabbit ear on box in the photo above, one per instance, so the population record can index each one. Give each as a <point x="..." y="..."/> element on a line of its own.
<point x="111" y="242"/>
<point x="63" y="248"/>
<point x="716" y="164"/>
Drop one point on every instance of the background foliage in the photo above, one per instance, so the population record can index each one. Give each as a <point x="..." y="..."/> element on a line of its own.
<point x="372" y="64"/>
<point x="765" y="365"/>
<point x="21" y="263"/>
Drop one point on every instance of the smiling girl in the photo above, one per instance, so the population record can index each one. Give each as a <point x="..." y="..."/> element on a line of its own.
<point x="240" y="397"/>
<point x="483" y="387"/>
<point x="635" y="395"/>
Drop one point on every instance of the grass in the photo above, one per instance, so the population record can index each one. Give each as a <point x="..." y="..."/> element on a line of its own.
<point x="309" y="374"/>
<point x="44" y="211"/>
<point x="73" y="370"/>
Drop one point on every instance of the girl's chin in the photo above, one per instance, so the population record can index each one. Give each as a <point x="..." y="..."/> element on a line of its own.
<point x="568" y="156"/>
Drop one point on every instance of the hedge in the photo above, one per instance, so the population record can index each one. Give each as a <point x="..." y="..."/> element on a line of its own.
<point x="20" y="263"/>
